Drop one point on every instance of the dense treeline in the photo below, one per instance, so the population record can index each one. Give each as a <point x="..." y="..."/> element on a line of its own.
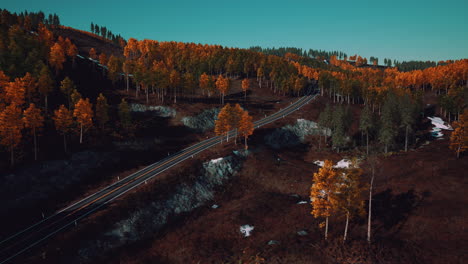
<point x="311" y="53"/>
<point x="107" y="34"/>
<point x="31" y="63"/>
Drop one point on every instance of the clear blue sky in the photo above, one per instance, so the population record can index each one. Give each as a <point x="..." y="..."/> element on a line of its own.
<point x="402" y="30"/>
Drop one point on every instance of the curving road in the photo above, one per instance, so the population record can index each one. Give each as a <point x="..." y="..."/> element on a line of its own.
<point x="24" y="240"/>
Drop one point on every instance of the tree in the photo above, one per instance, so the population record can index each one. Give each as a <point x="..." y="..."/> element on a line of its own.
<point x="114" y="67"/>
<point x="72" y="52"/>
<point x="322" y="193"/>
<point x="124" y="115"/>
<point x="246" y="126"/>
<point x="75" y="97"/>
<point x="349" y="194"/>
<point x="15" y="92"/>
<point x="388" y="129"/>
<point x="45" y="84"/>
<point x="57" y="57"/>
<point x="222" y="84"/>
<point x="245" y="87"/>
<point x="459" y="137"/>
<point x="30" y="85"/>
<point x="235" y="116"/>
<point x="102" y="111"/>
<point x="84" y="116"/>
<point x="206" y="83"/>
<point x="325" y="121"/>
<point x="222" y="124"/>
<point x="10" y="129"/>
<point x="366" y="124"/>
<point x="33" y="120"/>
<point x="103" y="59"/>
<point x="93" y="54"/>
<point x="67" y="87"/>
<point x="174" y="80"/>
<point x="63" y="123"/>
<point x="407" y="115"/>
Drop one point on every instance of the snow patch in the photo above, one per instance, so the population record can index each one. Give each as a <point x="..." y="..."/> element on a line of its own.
<point x="439" y="125"/>
<point x="342" y="164"/>
<point x="302" y="202"/>
<point x="216" y="160"/>
<point x="246" y="230"/>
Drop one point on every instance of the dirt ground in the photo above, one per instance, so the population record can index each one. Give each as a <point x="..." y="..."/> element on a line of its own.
<point x="419" y="211"/>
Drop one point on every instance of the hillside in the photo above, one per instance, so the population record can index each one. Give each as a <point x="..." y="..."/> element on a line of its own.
<point x="79" y="114"/>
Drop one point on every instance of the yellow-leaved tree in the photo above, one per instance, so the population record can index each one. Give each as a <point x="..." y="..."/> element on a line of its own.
<point x="33" y="120"/>
<point x="323" y="193"/>
<point x="84" y="116"/>
<point x="459" y="137"/>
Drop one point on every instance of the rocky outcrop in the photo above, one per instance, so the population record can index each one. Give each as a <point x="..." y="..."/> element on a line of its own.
<point x="203" y="121"/>
<point x="292" y="135"/>
<point x="162" y="111"/>
<point x="182" y="198"/>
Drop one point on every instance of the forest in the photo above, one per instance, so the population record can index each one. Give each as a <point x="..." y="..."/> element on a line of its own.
<point x="366" y="108"/>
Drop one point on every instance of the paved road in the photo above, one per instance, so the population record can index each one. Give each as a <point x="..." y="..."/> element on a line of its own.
<point x="38" y="233"/>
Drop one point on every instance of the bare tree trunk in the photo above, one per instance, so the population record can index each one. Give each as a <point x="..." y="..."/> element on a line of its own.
<point x="245" y="142"/>
<point x="46" y="103"/>
<point x="326" y="228"/>
<point x="406" y="139"/>
<point x="64" y="143"/>
<point x="346" y="227"/>
<point x="369" y="219"/>
<point x="81" y="133"/>
<point x="126" y="76"/>
<point x="35" y="144"/>
<point x="367" y="145"/>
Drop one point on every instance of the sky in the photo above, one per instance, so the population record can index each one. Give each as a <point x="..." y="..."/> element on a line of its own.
<point x="401" y="30"/>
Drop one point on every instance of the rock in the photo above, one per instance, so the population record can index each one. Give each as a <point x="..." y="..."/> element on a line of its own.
<point x="203" y="121"/>
<point x="302" y="233"/>
<point x="162" y="111"/>
<point x="186" y="196"/>
<point x="273" y="242"/>
<point x="246" y="230"/>
<point x="292" y="135"/>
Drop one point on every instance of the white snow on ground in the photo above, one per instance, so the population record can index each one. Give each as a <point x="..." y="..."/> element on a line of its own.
<point x="246" y="229"/>
<point x="319" y="163"/>
<point x="439" y="125"/>
<point x="342" y="164"/>
<point x="302" y="202"/>
<point x="216" y="160"/>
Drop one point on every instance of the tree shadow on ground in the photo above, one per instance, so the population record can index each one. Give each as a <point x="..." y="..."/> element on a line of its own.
<point x="390" y="211"/>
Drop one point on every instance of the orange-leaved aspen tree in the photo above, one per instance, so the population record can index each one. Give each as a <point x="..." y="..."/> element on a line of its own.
<point x="10" y="128"/>
<point x="67" y="87"/>
<point x="222" y="124"/>
<point x="57" y="57"/>
<point x="222" y="84"/>
<point x="323" y="192"/>
<point x="15" y="92"/>
<point x="72" y="52"/>
<point x="245" y="87"/>
<point x="174" y="80"/>
<point x="235" y="116"/>
<point x="260" y="75"/>
<point x="45" y="84"/>
<point x="246" y="126"/>
<point x="205" y="84"/>
<point x="4" y="82"/>
<point x="127" y="68"/>
<point x="93" y="54"/>
<point x="102" y="111"/>
<point x="33" y="120"/>
<point x="349" y="194"/>
<point x="84" y="116"/>
<point x="63" y="123"/>
<point x="30" y="86"/>
<point x="459" y="137"/>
